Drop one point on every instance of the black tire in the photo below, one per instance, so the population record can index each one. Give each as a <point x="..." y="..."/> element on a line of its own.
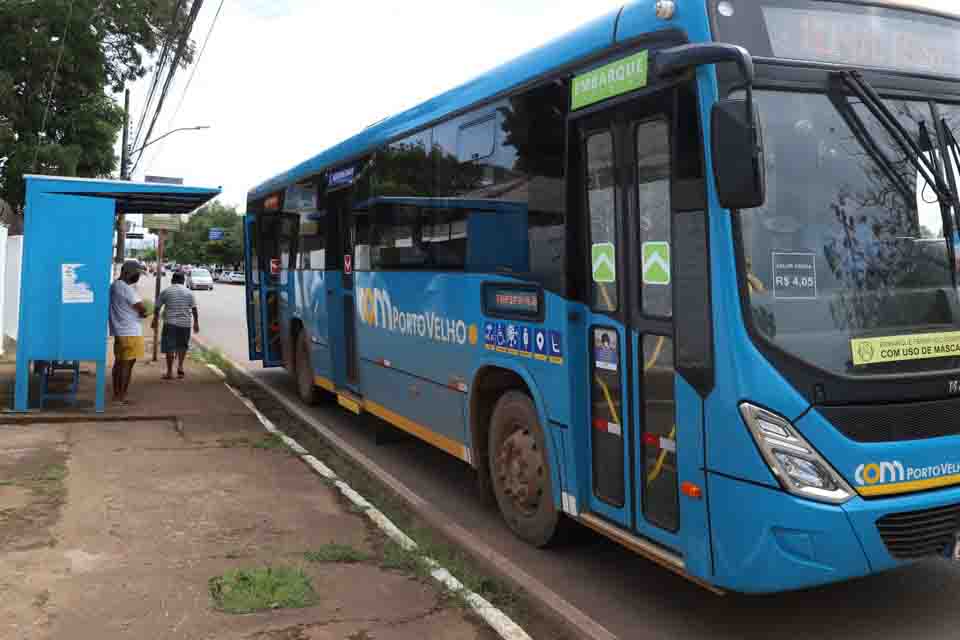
<point x="520" y="470"/>
<point x="303" y="371"/>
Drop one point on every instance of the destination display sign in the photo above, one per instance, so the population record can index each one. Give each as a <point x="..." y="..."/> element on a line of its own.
<point x="509" y="301"/>
<point x="852" y="34"/>
<point x="885" y="41"/>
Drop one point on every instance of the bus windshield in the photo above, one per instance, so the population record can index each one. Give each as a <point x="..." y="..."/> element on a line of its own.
<point x="851" y="243"/>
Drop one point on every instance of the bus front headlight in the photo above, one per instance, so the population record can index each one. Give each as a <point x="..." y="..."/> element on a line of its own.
<point x="797" y="465"/>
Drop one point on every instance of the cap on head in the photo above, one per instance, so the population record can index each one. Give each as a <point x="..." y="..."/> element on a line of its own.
<point x="129" y="268"/>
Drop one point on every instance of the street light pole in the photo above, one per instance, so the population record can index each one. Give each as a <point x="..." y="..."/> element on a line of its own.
<point x="125" y="155"/>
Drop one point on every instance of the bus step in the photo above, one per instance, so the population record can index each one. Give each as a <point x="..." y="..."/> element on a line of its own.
<point x="349" y="401"/>
<point x="386" y="433"/>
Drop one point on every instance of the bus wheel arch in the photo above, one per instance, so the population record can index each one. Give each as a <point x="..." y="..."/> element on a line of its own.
<point x="520" y="468"/>
<point x="302" y="367"/>
<point x="489" y="384"/>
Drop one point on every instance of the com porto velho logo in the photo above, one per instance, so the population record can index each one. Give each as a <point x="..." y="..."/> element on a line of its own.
<point x="880" y="473"/>
<point x="376" y="310"/>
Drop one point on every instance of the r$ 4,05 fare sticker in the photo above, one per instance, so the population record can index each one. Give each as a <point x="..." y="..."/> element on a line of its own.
<point x="794" y="276"/>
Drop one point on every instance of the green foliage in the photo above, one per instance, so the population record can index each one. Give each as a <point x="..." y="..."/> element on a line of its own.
<point x="191" y="245"/>
<point x="104" y="47"/>
<point x="249" y="590"/>
<point x="334" y="552"/>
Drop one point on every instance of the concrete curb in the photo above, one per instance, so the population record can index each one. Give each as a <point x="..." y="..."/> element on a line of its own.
<point x="496" y="619"/>
<point x="546" y="599"/>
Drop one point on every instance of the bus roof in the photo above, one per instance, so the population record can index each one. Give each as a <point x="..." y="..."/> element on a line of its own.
<point x="595" y="35"/>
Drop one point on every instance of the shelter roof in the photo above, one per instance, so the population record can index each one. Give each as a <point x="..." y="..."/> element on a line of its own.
<point x="131" y="197"/>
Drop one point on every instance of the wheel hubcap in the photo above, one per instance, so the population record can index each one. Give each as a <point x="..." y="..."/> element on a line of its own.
<point x="520" y="470"/>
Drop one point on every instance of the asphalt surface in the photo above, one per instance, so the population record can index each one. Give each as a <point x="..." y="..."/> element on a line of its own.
<point x="630" y="596"/>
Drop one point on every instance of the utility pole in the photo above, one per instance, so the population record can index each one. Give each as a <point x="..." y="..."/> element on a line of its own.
<point x="124" y="162"/>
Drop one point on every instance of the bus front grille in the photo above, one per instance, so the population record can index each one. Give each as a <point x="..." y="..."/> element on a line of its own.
<point x="895" y="422"/>
<point x="918" y="534"/>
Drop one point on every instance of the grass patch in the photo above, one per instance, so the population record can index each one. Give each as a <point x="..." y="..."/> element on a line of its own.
<point x="7" y="483"/>
<point x="271" y="442"/>
<point x="210" y="356"/>
<point x="334" y="552"/>
<point x="396" y="558"/>
<point x="53" y="473"/>
<point x="262" y="589"/>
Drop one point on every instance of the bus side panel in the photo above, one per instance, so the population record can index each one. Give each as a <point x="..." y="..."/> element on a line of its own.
<point x="431" y="412"/>
<point x="314" y="309"/>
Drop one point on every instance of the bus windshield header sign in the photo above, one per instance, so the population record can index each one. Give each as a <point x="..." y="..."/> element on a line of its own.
<point x="883" y="41"/>
<point x="610" y="80"/>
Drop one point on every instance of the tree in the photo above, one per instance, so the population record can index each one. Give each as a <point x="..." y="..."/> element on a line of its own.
<point x="69" y="127"/>
<point x="192" y="244"/>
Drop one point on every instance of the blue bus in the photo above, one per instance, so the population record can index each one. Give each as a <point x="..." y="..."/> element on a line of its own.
<point x="686" y="275"/>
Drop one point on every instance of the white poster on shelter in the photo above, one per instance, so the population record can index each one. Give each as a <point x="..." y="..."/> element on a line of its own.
<point x="74" y="291"/>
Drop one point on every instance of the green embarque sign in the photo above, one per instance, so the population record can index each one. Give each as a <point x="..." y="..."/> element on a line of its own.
<point x="614" y="79"/>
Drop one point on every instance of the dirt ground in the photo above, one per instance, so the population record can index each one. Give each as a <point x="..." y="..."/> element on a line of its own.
<point x="115" y="529"/>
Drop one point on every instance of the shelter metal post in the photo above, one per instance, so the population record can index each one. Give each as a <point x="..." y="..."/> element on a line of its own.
<point x="162" y="234"/>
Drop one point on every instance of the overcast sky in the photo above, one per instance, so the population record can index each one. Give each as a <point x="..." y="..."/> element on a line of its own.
<point x="282" y="80"/>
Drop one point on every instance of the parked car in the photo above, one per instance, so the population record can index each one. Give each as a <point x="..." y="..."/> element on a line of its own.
<point x="237" y="277"/>
<point x="199" y="279"/>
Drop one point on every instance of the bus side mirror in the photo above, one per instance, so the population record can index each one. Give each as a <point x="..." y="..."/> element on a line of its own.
<point x="738" y="160"/>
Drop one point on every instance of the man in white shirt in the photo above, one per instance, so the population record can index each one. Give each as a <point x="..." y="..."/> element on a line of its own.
<point x="126" y="315"/>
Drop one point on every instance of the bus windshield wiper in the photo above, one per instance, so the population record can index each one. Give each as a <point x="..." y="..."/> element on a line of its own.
<point x="869" y="143"/>
<point x="927" y="167"/>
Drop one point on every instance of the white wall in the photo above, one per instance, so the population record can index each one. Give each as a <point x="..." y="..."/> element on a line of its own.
<point x="3" y="284"/>
<point x="11" y="285"/>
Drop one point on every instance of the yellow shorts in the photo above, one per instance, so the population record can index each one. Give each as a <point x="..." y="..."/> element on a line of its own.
<point x="128" y="348"/>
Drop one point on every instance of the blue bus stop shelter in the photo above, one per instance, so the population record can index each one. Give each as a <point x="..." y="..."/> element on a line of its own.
<point x="66" y="272"/>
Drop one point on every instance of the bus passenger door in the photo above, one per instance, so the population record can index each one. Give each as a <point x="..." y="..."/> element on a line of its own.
<point x="624" y="155"/>
<point x="342" y="309"/>
<point x="262" y="291"/>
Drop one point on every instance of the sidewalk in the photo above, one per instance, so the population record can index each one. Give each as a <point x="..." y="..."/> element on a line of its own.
<point x="120" y="529"/>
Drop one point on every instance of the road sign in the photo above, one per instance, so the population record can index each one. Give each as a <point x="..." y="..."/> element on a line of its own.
<point x="656" y="263"/>
<point x="603" y="256"/>
<point x="163" y="180"/>
<point x="158" y="221"/>
<point x="216" y="233"/>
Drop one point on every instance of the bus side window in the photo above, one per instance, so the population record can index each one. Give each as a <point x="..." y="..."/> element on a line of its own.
<point x="444" y="237"/>
<point x="395" y="240"/>
<point x="313" y="245"/>
<point x="653" y="210"/>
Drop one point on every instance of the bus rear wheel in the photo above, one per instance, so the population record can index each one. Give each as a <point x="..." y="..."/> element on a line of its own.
<point x="520" y="470"/>
<point x="307" y="391"/>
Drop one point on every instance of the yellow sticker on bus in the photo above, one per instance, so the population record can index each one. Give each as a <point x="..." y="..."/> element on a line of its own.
<point x="917" y="346"/>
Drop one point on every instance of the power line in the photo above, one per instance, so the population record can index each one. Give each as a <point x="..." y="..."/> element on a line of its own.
<point x="181" y="45"/>
<point x="158" y="72"/>
<point x="197" y="63"/>
<point x="53" y="82"/>
<point x="193" y="72"/>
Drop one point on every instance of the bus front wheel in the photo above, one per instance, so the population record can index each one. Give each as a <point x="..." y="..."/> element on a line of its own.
<point x="306" y="389"/>
<point x="520" y="469"/>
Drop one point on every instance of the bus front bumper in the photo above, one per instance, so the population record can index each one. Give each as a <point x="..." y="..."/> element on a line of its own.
<point x="765" y="540"/>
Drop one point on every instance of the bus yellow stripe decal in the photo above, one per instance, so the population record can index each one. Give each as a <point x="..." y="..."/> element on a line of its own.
<point x="907" y="487"/>
<point x="324" y="383"/>
<point x="444" y="443"/>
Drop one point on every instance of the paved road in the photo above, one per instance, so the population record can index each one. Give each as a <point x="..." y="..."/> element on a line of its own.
<point x="628" y="595"/>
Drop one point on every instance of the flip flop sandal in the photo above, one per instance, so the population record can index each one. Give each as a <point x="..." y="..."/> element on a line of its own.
<point x="166" y="377"/>
<point x="181" y="374"/>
